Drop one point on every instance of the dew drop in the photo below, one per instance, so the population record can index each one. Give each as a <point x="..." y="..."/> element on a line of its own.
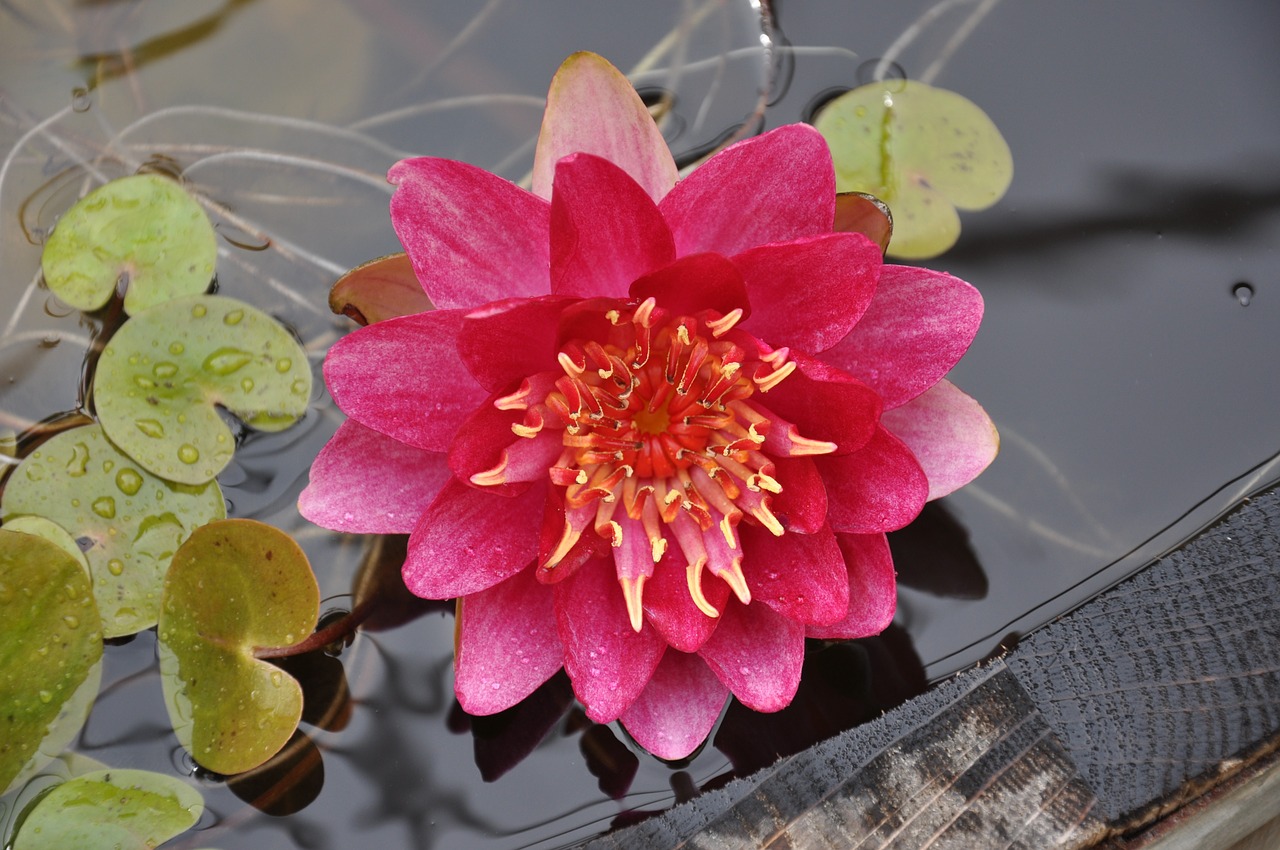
<point x="284" y="364"/>
<point x="224" y="361"/>
<point x="72" y="622"/>
<point x="80" y="99"/>
<point x="129" y="481"/>
<point x="188" y="453"/>
<point x="199" y="311"/>
<point x="1243" y="291"/>
<point x="105" y="507"/>
<point x="277" y="678"/>
<point x="46" y="697"/>
<point x="79" y="463"/>
<point x="126" y="615"/>
<point x="495" y="686"/>
<point x="247" y="385"/>
<point x="150" y="427"/>
<point x="176" y="348"/>
<point x="299" y="387"/>
<point x="115" y="566"/>
<point x="164" y="370"/>
<point x="234" y="317"/>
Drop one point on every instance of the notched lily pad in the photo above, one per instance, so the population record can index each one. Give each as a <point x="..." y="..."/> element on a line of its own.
<point x="50" y="649"/>
<point x="127" y="521"/>
<point x="234" y="586"/>
<point x="144" y="228"/>
<point x="924" y="151"/>
<point x="380" y="289"/>
<point x="164" y="371"/>
<point x="111" y="810"/>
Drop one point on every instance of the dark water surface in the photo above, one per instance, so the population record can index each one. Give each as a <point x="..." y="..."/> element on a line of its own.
<point x="1131" y="274"/>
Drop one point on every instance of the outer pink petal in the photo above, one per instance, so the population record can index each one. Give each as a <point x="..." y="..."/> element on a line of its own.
<point x="808" y="294"/>
<point x="758" y="654"/>
<point x="825" y="404"/>
<point x="608" y="663"/>
<point x="801" y="576"/>
<point x="949" y="433"/>
<point x="507" y="341"/>
<point x="469" y="540"/>
<point x="473" y="237"/>
<point x="676" y="711"/>
<point x="367" y="483"/>
<point x="916" y="328"/>
<point x="694" y="283"/>
<point x="592" y="108"/>
<point x="404" y="377"/>
<point x="605" y="231"/>
<point x="669" y="607"/>
<point x="772" y="188"/>
<point x="880" y="487"/>
<point x="873" y="593"/>
<point x="802" y="504"/>
<point x="507" y="644"/>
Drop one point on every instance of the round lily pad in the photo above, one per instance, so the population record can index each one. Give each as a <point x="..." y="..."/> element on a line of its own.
<point x="127" y="521"/>
<point x="145" y="229"/>
<point x="50" y="649"/>
<point x="924" y="151"/>
<point x="111" y="810"/>
<point x="234" y="586"/>
<point x="165" y="370"/>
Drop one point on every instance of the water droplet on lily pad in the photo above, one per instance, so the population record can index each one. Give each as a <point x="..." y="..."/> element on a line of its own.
<point x="176" y="348"/>
<point x="144" y="228"/>
<point x="105" y="507"/>
<point x="224" y="361"/>
<point x="150" y="427"/>
<point x="115" y="566"/>
<point x="188" y="453"/>
<point x="129" y="481"/>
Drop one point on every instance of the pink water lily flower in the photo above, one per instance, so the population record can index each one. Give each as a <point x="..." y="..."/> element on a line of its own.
<point x="656" y="429"/>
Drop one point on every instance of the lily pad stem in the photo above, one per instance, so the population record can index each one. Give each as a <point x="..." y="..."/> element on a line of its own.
<point x="335" y="631"/>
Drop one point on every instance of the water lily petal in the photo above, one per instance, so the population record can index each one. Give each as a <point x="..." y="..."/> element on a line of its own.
<point x="809" y="293"/>
<point x="771" y="188"/>
<point x="825" y="404"/>
<point x="873" y="595"/>
<point x="916" y="328"/>
<point x="758" y="654"/>
<point x="507" y="644"/>
<point x="469" y="539"/>
<point x="802" y="505"/>
<point x="473" y="237"/>
<point x="508" y="340"/>
<point x="404" y="377"/>
<point x="671" y="610"/>
<point x="592" y="108"/>
<point x="801" y="576"/>
<point x="368" y="483"/>
<point x="679" y="707"/>
<point x="379" y="289"/>
<point x="487" y="454"/>
<point x="880" y="487"/>
<point x="949" y="433"/>
<point x="693" y="283"/>
<point x="606" y="660"/>
<point x="605" y="231"/>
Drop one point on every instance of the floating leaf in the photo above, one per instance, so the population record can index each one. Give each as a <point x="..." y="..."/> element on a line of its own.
<point x="923" y="151"/>
<point x="164" y="371"/>
<point x="234" y="586"/>
<point x="127" y="521"/>
<point x="380" y="289"/>
<point x="111" y="810"/>
<point x="50" y="648"/>
<point x="145" y="229"/>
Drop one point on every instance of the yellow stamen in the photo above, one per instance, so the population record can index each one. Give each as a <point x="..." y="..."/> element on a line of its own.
<point x="492" y="477"/>
<point x="721" y="326"/>
<point x="767" y="519"/>
<point x="633" y="592"/>
<point x="568" y="538"/>
<point x="771" y="380"/>
<point x="571" y="368"/>
<point x="726" y="528"/>
<point x="525" y="430"/>
<point x="694" y="575"/>
<point x="802" y="446"/>
<point x="737" y="582"/>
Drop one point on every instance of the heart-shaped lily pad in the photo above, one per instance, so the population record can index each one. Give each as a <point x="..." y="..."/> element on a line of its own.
<point x="144" y="228"/>
<point x="50" y="648"/>
<point x="164" y="371"/>
<point x="234" y="586"/>
<point x="127" y="521"/>
<point x="924" y="151"/>
<point x="380" y="289"/>
<point x="111" y="810"/>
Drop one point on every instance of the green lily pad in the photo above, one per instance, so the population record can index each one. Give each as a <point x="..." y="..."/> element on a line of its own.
<point x="50" y="649"/>
<point x="164" y="371"/>
<point x="234" y="586"/>
<point x="144" y="228"/>
<point x="127" y="521"/>
<point x="111" y="810"/>
<point x="924" y="151"/>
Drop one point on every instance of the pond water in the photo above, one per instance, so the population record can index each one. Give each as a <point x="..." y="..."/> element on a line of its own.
<point x="1130" y="276"/>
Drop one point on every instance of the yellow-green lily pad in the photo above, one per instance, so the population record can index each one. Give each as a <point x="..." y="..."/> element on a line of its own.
<point x="145" y="229"/>
<point x="50" y="653"/>
<point x="235" y="586"/>
<point x="127" y="521"/>
<point x="110" y="810"/>
<point x="924" y="151"/>
<point x="167" y="368"/>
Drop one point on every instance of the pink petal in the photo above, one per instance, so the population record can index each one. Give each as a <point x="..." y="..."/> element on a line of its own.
<point x="808" y="294"/>
<point x="880" y="487"/>
<point x="469" y="540"/>
<point x="367" y="483"/>
<point x="801" y="576"/>
<point x="758" y="654"/>
<point x="506" y="341"/>
<point x="507" y="644"/>
<point x="605" y="231"/>
<point x="404" y="377"/>
<point x="669" y="607"/>
<point x="825" y="404"/>
<point x="772" y="188"/>
<point x="379" y="289"/>
<point x="679" y="707"/>
<point x="473" y="236"/>
<point x="608" y="663"/>
<point x="695" y="283"/>
<point x="592" y="108"/>
<point x="502" y="462"/>
<point x="949" y="433"/>
<point x="802" y="504"/>
<point x="873" y="593"/>
<point x="916" y="328"/>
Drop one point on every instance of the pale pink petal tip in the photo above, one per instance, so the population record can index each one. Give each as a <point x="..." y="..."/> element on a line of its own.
<point x="949" y="433"/>
<point x="677" y="709"/>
